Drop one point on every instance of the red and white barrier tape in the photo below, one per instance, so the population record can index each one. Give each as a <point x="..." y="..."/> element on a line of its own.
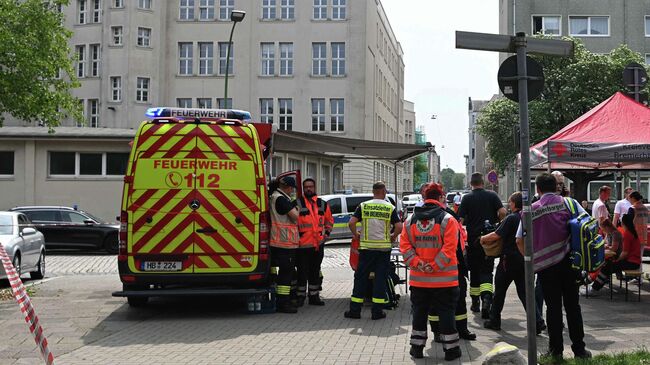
<point x="20" y="294"/>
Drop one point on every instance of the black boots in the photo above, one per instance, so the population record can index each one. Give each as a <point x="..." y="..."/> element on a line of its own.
<point x="452" y="354"/>
<point x="486" y="298"/>
<point x="492" y="324"/>
<point x="476" y="304"/>
<point x="316" y="300"/>
<point x="285" y="306"/>
<point x="417" y="351"/>
<point x="352" y="315"/>
<point x="465" y="334"/>
<point x="378" y="315"/>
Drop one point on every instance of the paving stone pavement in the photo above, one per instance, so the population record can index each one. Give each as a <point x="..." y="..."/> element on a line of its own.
<point x="84" y="325"/>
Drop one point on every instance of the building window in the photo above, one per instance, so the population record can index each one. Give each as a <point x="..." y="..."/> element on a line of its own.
<point x="224" y="105"/>
<point x="268" y="9"/>
<point x="318" y="115"/>
<point x="320" y="9"/>
<point x="144" y="4"/>
<point x="325" y="179"/>
<point x="184" y="102"/>
<point x="319" y="59"/>
<point x="225" y="8"/>
<point x="287" y="9"/>
<point x="338" y="9"/>
<point x="589" y="25"/>
<point x="337" y="117"/>
<point x="286" y="59"/>
<point x="185" y="55"/>
<point x="144" y="37"/>
<point x="187" y="10"/>
<point x="116" y="163"/>
<point x="97" y="11"/>
<point x="82" y="11"/>
<point x="81" y="61"/>
<point x="206" y="58"/>
<point x="93" y="113"/>
<point x="6" y="163"/>
<point x="142" y="90"/>
<point x="276" y="166"/>
<point x="88" y="163"/>
<point x="116" y="88"/>
<point x="647" y="25"/>
<point x="647" y="58"/>
<point x="204" y="103"/>
<point x="118" y="3"/>
<point x="266" y="111"/>
<point x="95" y="57"/>
<point x="295" y="164"/>
<point x="116" y="32"/>
<point x="338" y="59"/>
<point x="311" y="170"/>
<point x="549" y="25"/>
<point x="223" y="53"/>
<point x="206" y="9"/>
<point x="268" y="59"/>
<point x="286" y="114"/>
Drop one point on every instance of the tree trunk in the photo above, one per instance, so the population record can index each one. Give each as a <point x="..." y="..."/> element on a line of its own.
<point x="580" y="181"/>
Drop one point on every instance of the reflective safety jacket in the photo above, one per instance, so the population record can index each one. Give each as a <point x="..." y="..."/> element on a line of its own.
<point x="284" y="233"/>
<point x="431" y="236"/>
<point x="375" y="225"/>
<point x="315" y="218"/>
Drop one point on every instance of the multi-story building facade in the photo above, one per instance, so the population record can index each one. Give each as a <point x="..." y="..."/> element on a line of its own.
<point x="602" y="25"/>
<point x="477" y="154"/>
<point x="408" y="136"/>
<point x="329" y="67"/>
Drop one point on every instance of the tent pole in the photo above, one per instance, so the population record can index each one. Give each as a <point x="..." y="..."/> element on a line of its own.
<point x="638" y="182"/>
<point x="615" y="186"/>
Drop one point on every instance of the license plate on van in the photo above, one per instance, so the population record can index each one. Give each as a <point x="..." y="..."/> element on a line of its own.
<point x="162" y="266"/>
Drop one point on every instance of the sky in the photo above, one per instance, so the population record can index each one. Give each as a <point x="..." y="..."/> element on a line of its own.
<point x="439" y="78"/>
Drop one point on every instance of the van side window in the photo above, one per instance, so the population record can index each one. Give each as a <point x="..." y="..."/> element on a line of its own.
<point x="354" y="201"/>
<point x="42" y="216"/>
<point x="335" y="205"/>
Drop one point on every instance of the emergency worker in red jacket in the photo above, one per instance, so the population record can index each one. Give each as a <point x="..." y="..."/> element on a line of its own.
<point x="315" y="223"/>
<point x="428" y="243"/>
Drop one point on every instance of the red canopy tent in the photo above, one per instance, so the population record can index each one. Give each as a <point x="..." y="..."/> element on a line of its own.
<point x="614" y="135"/>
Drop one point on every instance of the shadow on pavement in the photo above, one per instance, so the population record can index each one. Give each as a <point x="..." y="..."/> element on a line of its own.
<point x="207" y="319"/>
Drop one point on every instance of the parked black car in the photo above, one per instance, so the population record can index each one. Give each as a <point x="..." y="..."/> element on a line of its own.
<point x="65" y="227"/>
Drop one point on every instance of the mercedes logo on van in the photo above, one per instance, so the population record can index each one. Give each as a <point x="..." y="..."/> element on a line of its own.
<point x="195" y="204"/>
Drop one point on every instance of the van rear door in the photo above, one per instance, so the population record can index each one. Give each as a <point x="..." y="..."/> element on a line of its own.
<point x="229" y="180"/>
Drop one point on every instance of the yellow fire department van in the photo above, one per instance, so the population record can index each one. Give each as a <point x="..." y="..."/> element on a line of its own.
<point x="194" y="216"/>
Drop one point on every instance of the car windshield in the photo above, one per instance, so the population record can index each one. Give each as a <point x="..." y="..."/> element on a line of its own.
<point x="98" y="220"/>
<point x="6" y="224"/>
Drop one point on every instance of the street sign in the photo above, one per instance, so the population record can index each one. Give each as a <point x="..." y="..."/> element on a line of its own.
<point x="509" y="81"/>
<point x="492" y="177"/>
<point x="505" y="43"/>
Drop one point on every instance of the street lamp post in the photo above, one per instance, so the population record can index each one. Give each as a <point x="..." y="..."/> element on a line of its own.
<point x="236" y="16"/>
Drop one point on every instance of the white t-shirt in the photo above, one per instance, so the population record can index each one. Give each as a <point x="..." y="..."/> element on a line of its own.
<point x="457" y="199"/>
<point x="622" y="207"/>
<point x="599" y="210"/>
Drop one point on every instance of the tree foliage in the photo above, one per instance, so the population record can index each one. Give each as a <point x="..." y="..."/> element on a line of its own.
<point x="458" y="181"/>
<point x="447" y="177"/>
<point x="572" y="86"/>
<point x="33" y="51"/>
<point x="420" y="171"/>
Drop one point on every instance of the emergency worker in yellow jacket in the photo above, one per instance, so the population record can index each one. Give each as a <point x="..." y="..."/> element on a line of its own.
<point x="428" y="243"/>
<point x="284" y="240"/>
<point x="376" y="217"/>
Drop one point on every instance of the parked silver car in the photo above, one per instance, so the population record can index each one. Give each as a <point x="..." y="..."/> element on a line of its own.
<point x="24" y="244"/>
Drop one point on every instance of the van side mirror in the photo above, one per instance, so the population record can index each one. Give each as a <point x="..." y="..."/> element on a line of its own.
<point x="89" y="221"/>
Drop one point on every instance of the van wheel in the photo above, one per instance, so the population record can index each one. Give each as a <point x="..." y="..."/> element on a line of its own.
<point x="40" y="268"/>
<point x="133" y="300"/>
<point x="111" y="244"/>
<point x="137" y="302"/>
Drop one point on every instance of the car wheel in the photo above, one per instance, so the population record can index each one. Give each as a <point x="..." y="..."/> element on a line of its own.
<point x="16" y="263"/>
<point x="40" y="268"/>
<point x="111" y="244"/>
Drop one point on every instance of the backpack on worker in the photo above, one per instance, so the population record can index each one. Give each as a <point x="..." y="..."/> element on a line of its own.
<point x="587" y="246"/>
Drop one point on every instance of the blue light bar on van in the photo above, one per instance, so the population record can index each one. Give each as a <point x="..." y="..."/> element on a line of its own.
<point x="190" y="113"/>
